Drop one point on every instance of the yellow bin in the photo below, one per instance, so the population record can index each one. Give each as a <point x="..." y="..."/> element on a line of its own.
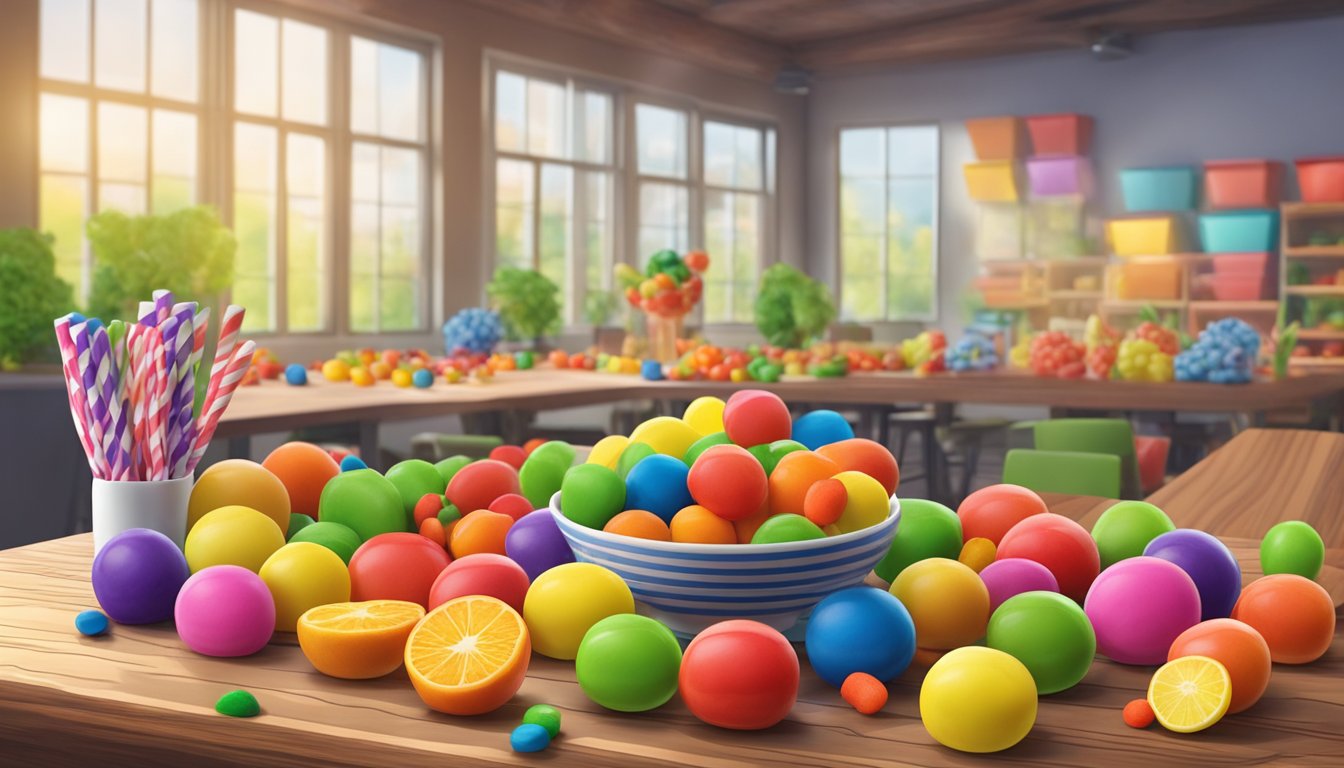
<point x="992" y="181"/>
<point x="1146" y="236"/>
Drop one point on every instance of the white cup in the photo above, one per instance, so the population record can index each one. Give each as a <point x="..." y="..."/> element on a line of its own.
<point x="159" y="505"/>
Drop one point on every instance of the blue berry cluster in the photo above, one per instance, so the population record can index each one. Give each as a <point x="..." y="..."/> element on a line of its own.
<point x="472" y="330"/>
<point x="972" y="352"/>
<point x="1225" y="353"/>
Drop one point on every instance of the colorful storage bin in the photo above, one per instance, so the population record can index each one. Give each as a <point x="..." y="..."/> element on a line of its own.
<point x="1232" y="184"/>
<point x="1148" y="280"/>
<point x="1321" y="179"/>
<point x="1234" y="287"/>
<point x="1255" y="264"/>
<point x="1169" y="188"/>
<point x="1143" y="236"/>
<point x="992" y="181"/>
<point x="1239" y="231"/>
<point x="1063" y="134"/>
<point x="996" y="138"/>
<point x="1060" y="176"/>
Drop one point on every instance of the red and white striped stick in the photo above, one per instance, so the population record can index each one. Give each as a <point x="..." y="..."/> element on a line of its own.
<point x="230" y="323"/>
<point x="214" y="407"/>
<point x="74" y="387"/>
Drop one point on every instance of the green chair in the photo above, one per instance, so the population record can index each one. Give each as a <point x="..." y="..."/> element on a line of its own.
<point x="1112" y="436"/>
<point x="1086" y="474"/>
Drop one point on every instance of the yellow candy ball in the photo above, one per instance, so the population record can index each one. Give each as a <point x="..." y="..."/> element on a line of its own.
<point x="613" y="365"/>
<point x="361" y="377"/>
<point x="978" y="553"/>
<point x="667" y="435"/>
<point x="947" y="600"/>
<point x="565" y="602"/>
<point x="232" y="535"/>
<point x="704" y="415"/>
<point x="867" y="503"/>
<point x="241" y="482"/>
<point x="607" y="451"/>
<point x="304" y="575"/>
<point x="401" y="377"/>
<point x="381" y="370"/>
<point x="978" y="700"/>
<point x="336" y="370"/>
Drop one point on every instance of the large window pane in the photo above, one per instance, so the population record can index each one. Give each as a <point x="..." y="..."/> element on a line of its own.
<point x="119" y="44"/>
<point x="254" y="220"/>
<point x="545" y="118"/>
<point x="305" y="253"/>
<point x="174" y="158"/>
<point x="122" y="157"/>
<point x="399" y="93"/>
<point x="557" y="186"/>
<point x="510" y="112"/>
<point x="63" y="208"/>
<point x="733" y="156"/>
<point x="514" y="200"/>
<point x="597" y="239"/>
<point x="733" y="223"/>
<point x="664" y="218"/>
<point x="913" y="151"/>
<point x="594" y="131"/>
<point x="660" y="138"/>
<point x="64" y="145"/>
<point x="64" y="40"/>
<point x="862" y="152"/>
<point x="304" y="72"/>
<point x="256" y="51"/>
<point x="387" y="239"/>
<point x="174" y="34"/>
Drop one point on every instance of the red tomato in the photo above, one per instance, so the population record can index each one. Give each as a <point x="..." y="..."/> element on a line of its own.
<point x="483" y="574"/>
<point x="396" y="566"/>
<point x="739" y="674"/>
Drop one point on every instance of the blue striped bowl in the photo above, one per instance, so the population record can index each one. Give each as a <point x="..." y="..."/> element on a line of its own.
<point x="691" y="586"/>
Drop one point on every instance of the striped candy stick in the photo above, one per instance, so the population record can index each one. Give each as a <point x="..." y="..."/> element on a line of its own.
<point x="106" y="384"/>
<point x="156" y="391"/>
<point x="88" y="384"/>
<point x="181" y="389"/>
<point x="163" y="305"/>
<point x="214" y="408"/>
<point x="230" y="324"/>
<point x="70" y="372"/>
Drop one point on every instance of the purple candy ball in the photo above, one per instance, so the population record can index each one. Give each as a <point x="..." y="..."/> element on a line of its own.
<point x="1138" y="607"/>
<point x="136" y="576"/>
<point x="1012" y="576"/>
<point x="536" y="543"/>
<point x="1208" y="562"/>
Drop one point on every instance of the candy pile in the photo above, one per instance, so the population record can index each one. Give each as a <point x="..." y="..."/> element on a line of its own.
<point x="1225" y="353"/>
<point x="472" y="331"/>
<point x="670" y="286"/>
<point x="1054" y="354"/>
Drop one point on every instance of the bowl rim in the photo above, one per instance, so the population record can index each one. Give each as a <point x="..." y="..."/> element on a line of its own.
<point x="675" y="548"/>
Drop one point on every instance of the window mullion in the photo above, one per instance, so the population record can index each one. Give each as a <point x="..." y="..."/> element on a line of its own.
<point x="340" y="157"/>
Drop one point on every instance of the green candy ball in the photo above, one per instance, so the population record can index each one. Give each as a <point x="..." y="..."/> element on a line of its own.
<point x="297" y="522"/>
<point x="334" y="536"/>
<point x="449" y="467"/>
<point x="238" y="704"/>
<point x="544" y="470"/>
<point x="704" y="444"/>
<point x="1049" y="634"/>
<point x="632" y="455"/>
<point x="1125" y="528"/>
<point x="1292" y="547"/>
<point x="769" y="454"/>
<point x="365" y="502"/>
<point x="628" y="663"/>
<point x="591" y="495"/>
<point x="545" y="715"/>
<point x="781" y="528"/>
<point x="926" y="529"/>
<point x="413" y="478"/>
<point x="449" y="514"/>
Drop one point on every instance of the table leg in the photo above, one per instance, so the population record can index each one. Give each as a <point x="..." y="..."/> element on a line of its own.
<point x="240" y="447"/>
<point x="368" y="443"/>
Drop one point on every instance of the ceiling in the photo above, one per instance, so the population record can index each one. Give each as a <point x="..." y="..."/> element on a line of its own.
<point x="755" y="38"/>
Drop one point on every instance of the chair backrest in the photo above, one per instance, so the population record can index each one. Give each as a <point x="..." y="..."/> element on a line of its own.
<point x="1113" y="436"/>
<point x="1087" y="474"/>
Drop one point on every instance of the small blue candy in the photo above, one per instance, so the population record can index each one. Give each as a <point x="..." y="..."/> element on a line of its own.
<point x="352" y="462"/>
<point x="529" y="737"/>
<point x="651" y="370"/>
<point x="91" y="623"/>
<point x="422" y="378"/>
<point x="296" y="375"/>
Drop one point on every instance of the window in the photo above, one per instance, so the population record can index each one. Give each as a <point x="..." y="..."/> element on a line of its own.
<point x="555" y="181"/>
<point x="125" y="88"/>
<point x="888" y="223"/>
<point x="735" y="209"/>
<point x="662" y="138"/>
<point x="118" y="77"/>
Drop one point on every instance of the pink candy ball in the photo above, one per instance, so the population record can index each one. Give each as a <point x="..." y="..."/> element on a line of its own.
<point x="1013" y="576"/>
<point x="1138" y="607"/>
<point x="225" y="610"/>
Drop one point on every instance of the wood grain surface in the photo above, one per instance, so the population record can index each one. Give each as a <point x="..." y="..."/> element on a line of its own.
<point x="138" y="696"/>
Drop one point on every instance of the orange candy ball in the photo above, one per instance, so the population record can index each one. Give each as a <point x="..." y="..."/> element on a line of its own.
<point x="697" y="525"/>
<point x="863" y="455"/>
<point x="304" y="469"/>
<point x="639" y="524"/>
<point x="864" y="692"/>
<point x="1239" y="647"/>
<point x="1139" y="714"/>
<point x="747" y="526"/>
<point x="794" y="475"/>
<point x="825" y="501"/>
<point x="432" y="529"/>
<point x="1294" y="614"/>
<point x="989" y="512"/>
<point x="481" y="531"/>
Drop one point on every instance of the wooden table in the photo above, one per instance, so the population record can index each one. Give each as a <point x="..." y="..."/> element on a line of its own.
<point x="139" y="696"/>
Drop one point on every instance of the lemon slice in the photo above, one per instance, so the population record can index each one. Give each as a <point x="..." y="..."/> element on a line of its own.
<point x="1190" y="693"/>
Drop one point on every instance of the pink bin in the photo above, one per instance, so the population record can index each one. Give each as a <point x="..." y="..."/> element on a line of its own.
<point x="1248" y="264"/>
<point x="1321" y="179"/>
<point x="1060" y="176"/>
<point x="1233" y="287"/>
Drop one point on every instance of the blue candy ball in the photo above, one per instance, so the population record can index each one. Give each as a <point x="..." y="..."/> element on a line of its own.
<point x="296" y="375"/>
<point x="91" y="623"/>
<point x="820" y="428"/>
<point x="860" y="629"/>
<point x="658" y="484"/>
<point x="352" y="462"/>
<point x="651" y="370"/>
<point x="529" y="737"/>
<point x="422" y="378"/>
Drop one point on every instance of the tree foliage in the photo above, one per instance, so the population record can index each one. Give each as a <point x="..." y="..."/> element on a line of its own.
<point x="791" y="308"/>
<point x="33" y="296"/>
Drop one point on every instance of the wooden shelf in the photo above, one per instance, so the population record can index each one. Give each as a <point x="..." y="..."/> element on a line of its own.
<point x="1292" y="210"/>
<point x="1316" y="362"/>
<point x="1314" y="252"/>
<point x="1138" y="304"/>
<point x="1319" y="334"/>
<point x="1234" y="306"/>
<point x="1314" y="290"/>
<point x="1070" y="294"/>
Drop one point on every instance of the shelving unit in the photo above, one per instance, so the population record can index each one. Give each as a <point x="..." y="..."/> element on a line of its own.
<point x="1301" y="223"/>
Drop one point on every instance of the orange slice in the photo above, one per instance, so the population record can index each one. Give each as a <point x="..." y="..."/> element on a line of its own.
<point x="358" y="641"/>
<point x="469" y="656"/>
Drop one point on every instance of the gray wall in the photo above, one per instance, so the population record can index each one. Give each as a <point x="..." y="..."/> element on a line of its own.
<point x="1268" y="91"/>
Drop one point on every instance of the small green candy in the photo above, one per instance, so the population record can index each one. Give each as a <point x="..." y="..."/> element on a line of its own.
<point x="449" y="515"/>
<point x="297" y="521"/>
<point x="591" y="495"/>
<point x="545" y="715"/>
<point x="782" y="528"/>
<point x="238" y="704"/>
<point x="449" y="467"/>
<point x="632" y="455"/>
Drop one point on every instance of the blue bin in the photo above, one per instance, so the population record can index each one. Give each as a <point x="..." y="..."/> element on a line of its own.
<point x="1170" y="188"/>
<point x="1245" y="231"/>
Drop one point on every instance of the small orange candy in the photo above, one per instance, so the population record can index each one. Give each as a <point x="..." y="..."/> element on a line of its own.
<point x="825" y="501"/>
<point x="978" y="553"/>
<point x="697" y="525"/>
<point x="795" y="473"/>
<point x="432" y="529"/>
<point x="864" y="692"/>
<point x="480" y="531"/>
<point x="746" y="527"/>
<point x="533" y="444"/>
<point x="1138" y="714"/>
<point x="639" y="524"/>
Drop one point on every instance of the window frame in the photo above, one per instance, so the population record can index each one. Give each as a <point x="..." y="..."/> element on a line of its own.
<point x="767" y="193"/>
<point x="838" y="230"/>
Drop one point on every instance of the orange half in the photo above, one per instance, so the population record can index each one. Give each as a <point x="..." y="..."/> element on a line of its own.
<point x="357" y="641"/>
<point x="468" y="656"/>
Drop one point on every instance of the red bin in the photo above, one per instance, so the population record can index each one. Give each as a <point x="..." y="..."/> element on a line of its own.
<point x="1321" y="179"/>
<point x="1062" y="134"/>
<point x="1230" y="184"/>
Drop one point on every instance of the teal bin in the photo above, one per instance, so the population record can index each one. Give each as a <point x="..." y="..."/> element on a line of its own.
<point x="1169" y="188"/>
<point x="1244" y="231"/>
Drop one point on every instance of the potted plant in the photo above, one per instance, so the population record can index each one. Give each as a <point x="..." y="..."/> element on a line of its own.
<point x="792" y="309"/>
<point x="598" y="309"/>
<point x="34" y="296"/>
<point x="528" y="303"/>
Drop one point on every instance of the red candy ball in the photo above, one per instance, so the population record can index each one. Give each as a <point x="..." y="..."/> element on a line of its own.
<point x="756" y="417"/>
<point x="484" y="574"/>
<point x="860" y="454"/>
<point x="1064" y="547"/>
<point x="428" y="506"/>
<point x="739" y="674"/>
<point x="989" y="512"/>
<point x="481" y="482"/>
<point x="512" y="504"/>
<point x="396" y="566"/>
<point x="512" y="455"/>
<point x="728" y="481"/>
